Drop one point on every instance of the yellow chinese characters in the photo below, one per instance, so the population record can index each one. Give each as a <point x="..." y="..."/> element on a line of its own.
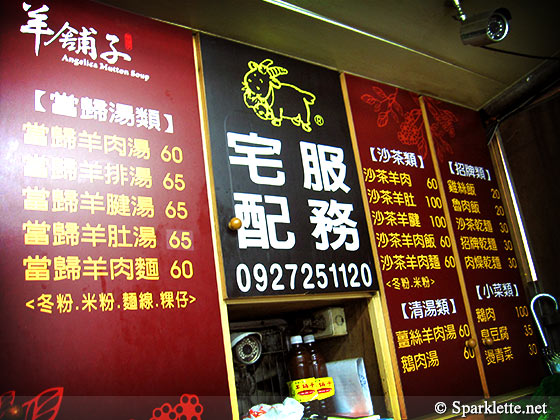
<point x="404" y="283"/>
<point x="413" y="363"/>
<point x="410" y="262"/>
<point x="35" y="134"/>
<point x="69" y="169"/>
<point x="478" y="243"/>
<point x="390" y="198"/>
<point x="498" y="355"/>
<point x="467" y="206"/>
<point x="499" y="333"/>
<point x="392" y="218"/>
<point x="65" y="303"/>
<point x="416" y="337"/>
<point x="483" y="262"/>
<point x="458" y="187"/>
<point x="72" y="234"/>
<point x="405" y="240"/>
<point x="474" y="225"/>
<point x="68" y="138"/>
<point x="382" y="176"/>
<point x="69" y="201"/>
<point x="74" y="268"/>
<point x="485" y="314"/>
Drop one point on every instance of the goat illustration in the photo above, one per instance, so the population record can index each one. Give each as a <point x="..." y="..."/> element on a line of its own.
<point x="273" y="100"/>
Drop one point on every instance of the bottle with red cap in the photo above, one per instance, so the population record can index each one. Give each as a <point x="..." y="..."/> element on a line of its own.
<point x="323" y="383"/>
<point x="302" y="384"/>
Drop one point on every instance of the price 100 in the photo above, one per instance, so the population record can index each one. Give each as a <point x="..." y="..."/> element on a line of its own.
<point x="433" y="202"/>
<point x="438" y="222"/>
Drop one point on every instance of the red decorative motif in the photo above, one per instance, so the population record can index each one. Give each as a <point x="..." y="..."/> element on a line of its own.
<point x="128" y="41"/>
<point x="411" y="131"/>
<point x="189" y="408"/>
<point x="385" y="105"/>
<point x="441" y="127"/>
<point x="44" y="406"/>
<point x="411" y="127"/>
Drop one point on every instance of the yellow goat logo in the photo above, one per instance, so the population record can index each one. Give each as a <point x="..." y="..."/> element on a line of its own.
<point x="274" y="101"/>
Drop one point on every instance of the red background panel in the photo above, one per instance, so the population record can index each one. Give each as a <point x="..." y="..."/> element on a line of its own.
<point x="150" y="352"/>
<point x="469" y="147"/>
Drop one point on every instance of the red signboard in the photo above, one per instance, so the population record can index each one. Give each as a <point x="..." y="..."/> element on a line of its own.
<point x="496" y="292"/>
<point x="108" y="275"/>
<point x="420" y="280"/>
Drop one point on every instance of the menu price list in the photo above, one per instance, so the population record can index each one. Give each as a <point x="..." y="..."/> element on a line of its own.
<point x="494" y="284"/>
<point x="419" y="271"/>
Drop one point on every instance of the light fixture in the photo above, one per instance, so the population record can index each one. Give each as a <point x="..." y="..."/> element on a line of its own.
<point x="483" y="28"/>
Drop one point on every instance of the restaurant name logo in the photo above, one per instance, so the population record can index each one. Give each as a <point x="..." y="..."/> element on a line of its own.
<point x="273" y="100"/>
<point x="82" y="44"/>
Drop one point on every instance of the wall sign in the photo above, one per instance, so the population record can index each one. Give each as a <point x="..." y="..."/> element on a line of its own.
<point x="504" y="327"/>
<point x="426" y="308"/>
<point x="108" y="279"/>
<point x="283" y="164"/>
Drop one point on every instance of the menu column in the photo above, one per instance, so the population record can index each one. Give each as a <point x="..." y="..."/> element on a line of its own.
<point x="504" y="329"/>
<point x="429" y="322"/>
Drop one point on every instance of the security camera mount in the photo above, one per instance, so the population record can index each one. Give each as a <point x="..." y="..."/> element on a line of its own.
<point x="483" y="28"/>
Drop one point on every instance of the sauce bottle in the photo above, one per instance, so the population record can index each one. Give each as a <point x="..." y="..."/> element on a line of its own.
<point x="302" y="385"/>
<point x="324" y="384"/>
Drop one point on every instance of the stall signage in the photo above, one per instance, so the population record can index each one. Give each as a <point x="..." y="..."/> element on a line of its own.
<point x="108" y="275"/>
<point x="429" y="324"/>
<point x="508" y="339"/>
<point x="284" y="166"/>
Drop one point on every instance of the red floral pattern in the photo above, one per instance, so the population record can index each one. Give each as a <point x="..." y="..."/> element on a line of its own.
<point x="44" y="406"/>
<point x="410" y="124"/>
<point x="188" y="408"/>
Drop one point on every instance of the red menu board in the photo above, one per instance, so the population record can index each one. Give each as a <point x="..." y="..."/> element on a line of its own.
<point x="108" y="275"/>
<point x="496" y="293"/>
<point x="426" y="308"/>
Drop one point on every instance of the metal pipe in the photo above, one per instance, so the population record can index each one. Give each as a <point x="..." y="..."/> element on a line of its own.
<point x="462" y="16"/>
<point x="535" y="298"/>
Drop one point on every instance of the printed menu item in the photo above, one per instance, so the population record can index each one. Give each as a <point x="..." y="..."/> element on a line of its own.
<point x="108" y="279"/>
<point x="284" y="175"/>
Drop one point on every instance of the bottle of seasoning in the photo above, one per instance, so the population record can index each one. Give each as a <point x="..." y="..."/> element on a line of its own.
<point x="323" y="383"/>
<point x="302" y="384"/>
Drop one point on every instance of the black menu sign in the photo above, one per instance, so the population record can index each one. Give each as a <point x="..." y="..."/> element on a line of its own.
<point x="283" y="166"/>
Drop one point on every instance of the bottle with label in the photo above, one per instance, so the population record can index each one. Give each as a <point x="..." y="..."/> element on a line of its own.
<point x="302" y="384"/>
<point x="323" y="383"/>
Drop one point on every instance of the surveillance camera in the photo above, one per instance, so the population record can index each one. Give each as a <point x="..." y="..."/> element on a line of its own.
<point x="247" y="346"/>
<point x="486" y="28"/>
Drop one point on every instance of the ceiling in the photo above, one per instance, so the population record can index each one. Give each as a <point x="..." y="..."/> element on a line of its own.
<point x="413" y="44"/>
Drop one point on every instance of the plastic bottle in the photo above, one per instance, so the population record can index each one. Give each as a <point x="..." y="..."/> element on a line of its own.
<point x="319" y="371"/>
<point x="300" y="367"/>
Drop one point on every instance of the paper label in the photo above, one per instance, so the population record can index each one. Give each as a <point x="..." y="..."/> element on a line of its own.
<point x="303" y="390"/>
<point x="324" y="387"/>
